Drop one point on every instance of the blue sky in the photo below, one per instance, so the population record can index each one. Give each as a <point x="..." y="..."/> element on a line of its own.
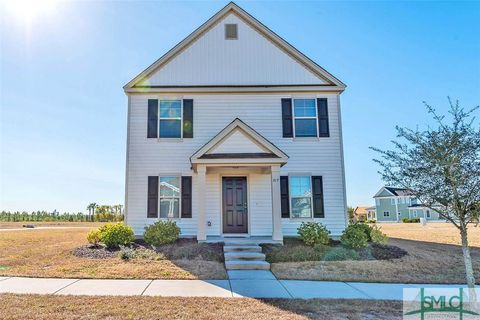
<point x="63" y="110"/>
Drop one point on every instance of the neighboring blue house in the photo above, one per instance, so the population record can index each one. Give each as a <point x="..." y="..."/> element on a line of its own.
<point x="394" y="204"/>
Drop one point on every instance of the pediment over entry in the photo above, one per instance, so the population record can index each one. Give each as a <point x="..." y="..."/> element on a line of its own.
<point x="239" y="143"/>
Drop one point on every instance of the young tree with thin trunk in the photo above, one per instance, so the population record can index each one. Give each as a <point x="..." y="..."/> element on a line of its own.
<point x="441" y="165"/>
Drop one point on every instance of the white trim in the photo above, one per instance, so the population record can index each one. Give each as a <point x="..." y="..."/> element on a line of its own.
<point x="381" y="190"/>
<point x="299" y="174"/>
<point x="246" y="17"/>
<point x="127" y="160"/>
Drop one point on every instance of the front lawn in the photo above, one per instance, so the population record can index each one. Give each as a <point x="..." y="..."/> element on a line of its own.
<point x="50" y="253"/>
<point x="82" y="307"/>
<point x="434" y="256"/>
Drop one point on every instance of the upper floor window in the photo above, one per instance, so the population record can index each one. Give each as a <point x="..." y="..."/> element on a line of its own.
<point x="170" y="119"/>
<point x="231" y="31"/>
<point x="301" y="196"/>
<point x="386" y="213"/>
<point x="392" y="201"/>
<point x="305" y="114"/>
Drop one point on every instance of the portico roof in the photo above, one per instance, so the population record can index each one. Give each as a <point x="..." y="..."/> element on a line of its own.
<point x="237" y="144"/>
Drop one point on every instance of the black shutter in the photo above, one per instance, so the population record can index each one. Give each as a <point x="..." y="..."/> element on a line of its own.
<point x="188" y="118"/>
<point x="322" y="110"/>
<point x="186" y="197"/>
<point x="287" y="118"/>
<point x="317" y="188"/>
<point x="284" y="197"/>
<point x="152" y="118"/>
<point x="152" y="205"/>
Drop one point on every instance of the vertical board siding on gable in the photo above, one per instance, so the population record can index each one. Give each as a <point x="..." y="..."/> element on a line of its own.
<point x="262" y="112"/>
<point x="252" y="59"/>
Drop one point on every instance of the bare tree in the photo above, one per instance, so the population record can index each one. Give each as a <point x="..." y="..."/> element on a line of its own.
<point x="441" y="166"/>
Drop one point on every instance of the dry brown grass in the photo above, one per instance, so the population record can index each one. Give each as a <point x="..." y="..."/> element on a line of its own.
<point x="438" y="232"/>
<point x="434" y="257"/>
<point x="47" y="253"/>
<point x="15" y="225"/>
<point x="81" y="307"/>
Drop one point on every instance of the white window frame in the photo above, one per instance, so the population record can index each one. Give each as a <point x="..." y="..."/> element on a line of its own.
<point x="160" y="118"/>
<point x="290" y="176"/>
<point x="386" y="213"/>
<point x="170" y="197"/>
<point x="414" y="213"/>
<point x="392" y="201"/>
<point x="305" y="118"/>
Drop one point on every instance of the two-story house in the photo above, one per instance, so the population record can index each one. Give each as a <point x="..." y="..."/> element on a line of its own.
<point x="394" y="204"/>
<point x="235" y="133"/>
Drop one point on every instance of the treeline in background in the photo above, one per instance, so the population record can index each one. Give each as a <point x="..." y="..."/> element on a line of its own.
<point x="96" y="213"/>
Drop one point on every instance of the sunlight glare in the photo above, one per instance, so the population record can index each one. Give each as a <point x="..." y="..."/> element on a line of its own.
<point x="28" y="10"/>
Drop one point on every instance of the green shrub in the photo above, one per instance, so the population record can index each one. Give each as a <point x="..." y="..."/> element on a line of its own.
<point x="93" y="237"/>
<point x="367" y="229"/>
<point x="377" y="236"/>
<point x="294" y="251"/>
<point x="161" y="232"/>
<point x="313" y="233"/>
<point x="354" y="236"/>
<point x="413" y="220"/>
<point x="371" y="221"/>
<point x="340" y="254"/>
<point x="115" y="234"/>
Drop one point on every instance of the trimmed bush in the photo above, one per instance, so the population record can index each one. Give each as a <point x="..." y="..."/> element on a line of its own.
<point x="354" y="236"/>
<point x="93" y="237"/>
<point x="112" y="235"/>
<point x="367" y="229"/>
<point x="377" y="236"/>
<point x="313" y="233"/>
<point x="413" y="220"/>
<point x="161" y="232"/>
<point x="371" y="221"/>
<point x="340" y="254"/>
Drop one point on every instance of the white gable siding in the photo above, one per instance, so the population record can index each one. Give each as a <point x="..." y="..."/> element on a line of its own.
<point x="237" y="142"/>
<point x="250" y="60"/>
<point x="211" y="114"/>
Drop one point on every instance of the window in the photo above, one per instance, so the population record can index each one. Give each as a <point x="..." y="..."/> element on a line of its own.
<point x="231" y="31"/>
<point x="386" y="213"/>
<point x="301" y="196"/>
<point x="305" y="113"/>
<point x="169" y="197"/>
<point x="170" y="119"/>
<point x="414" y="213"/>
<point x="428" y="213"/>
<point x="392" y="201"/>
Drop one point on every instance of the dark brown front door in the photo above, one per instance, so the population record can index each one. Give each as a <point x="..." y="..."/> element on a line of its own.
<point x="235" y="219"/>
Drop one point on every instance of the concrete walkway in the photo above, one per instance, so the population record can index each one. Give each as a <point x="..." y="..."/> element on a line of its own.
<point x="235" y="287"/>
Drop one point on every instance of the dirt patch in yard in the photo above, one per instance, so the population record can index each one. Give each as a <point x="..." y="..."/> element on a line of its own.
<point x="45" y="307"/>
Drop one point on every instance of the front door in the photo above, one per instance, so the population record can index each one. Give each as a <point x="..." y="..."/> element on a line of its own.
<point x="235" y="219"/>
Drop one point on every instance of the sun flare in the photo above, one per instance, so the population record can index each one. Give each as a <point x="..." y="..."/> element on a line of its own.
<point x="28" y="10"/>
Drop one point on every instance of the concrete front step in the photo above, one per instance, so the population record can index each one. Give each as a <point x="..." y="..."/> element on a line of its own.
<point x="245" y="264"/>
<point x="248" y="248"/>
<point x="244" y="255"/>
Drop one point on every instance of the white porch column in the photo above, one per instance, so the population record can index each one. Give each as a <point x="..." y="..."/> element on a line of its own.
<point x="201" y="186"/>
<point x="276" y="204"/>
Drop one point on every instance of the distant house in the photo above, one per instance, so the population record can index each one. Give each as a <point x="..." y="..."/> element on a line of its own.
<point x="364" y="213"/>
<point x="394" y="204"/>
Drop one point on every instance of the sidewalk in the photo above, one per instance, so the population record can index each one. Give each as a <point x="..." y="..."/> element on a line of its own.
<point x="233" y="288"/>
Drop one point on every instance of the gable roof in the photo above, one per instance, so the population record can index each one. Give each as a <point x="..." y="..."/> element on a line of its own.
<point x="310" y="65"/>
<point x="270" y="153"/>
<point x="394" y="192"/>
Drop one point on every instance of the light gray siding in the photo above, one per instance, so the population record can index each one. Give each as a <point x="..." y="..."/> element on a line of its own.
<point x="212" y="112"/>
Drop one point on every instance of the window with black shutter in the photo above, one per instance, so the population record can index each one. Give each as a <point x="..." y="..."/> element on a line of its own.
<point x="284" y="198"/>
<point x="186" y="197"/>
<point x="287" y="119"/>
<point x="322" y="110"/>
<point x="152" y="202"/>
<point x="152" y="121"/>
<point x="317" y="197"/>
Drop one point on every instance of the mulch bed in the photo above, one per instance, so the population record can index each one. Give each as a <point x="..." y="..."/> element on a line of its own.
<point x="386" y="252"/>
<point x="183" y="248"/>
<point x="94" y="252"/>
